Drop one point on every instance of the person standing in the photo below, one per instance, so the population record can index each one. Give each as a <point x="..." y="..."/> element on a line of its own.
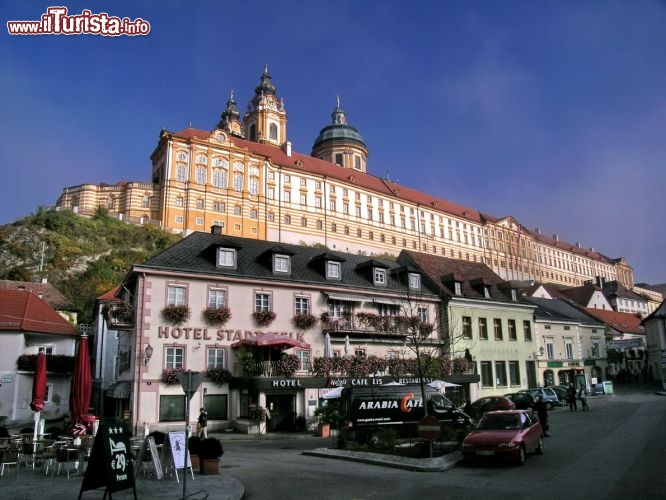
<point x="582" y="395"/>
<point x="542" y="413"/>
<point x="571" y="396"/>
<point x="203" y="423"/>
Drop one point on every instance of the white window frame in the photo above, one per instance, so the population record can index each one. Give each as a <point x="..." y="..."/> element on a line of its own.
<point x="414" y="281"/>
<point x="226" y="257"/>
<point x="217" y="298"/>
<point x="379" y="276"/>
<point x="263" y="302"/>
<point x="176" y="295"/>
<point x="281" y="263"/>
<point x="219" y="357"/>
<point x="333" y="270"/>
<point x="302" y="305"/>
<point x="174" y="357"/>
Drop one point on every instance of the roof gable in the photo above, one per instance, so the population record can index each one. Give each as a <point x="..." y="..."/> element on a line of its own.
<point x="25" y="311"/>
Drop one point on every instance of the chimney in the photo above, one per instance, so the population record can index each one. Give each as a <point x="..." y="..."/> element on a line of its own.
<point x="216" y="229"/>
<point x="287" y="148"/>
<point x="537" y="230"/>
<point x="555" y="237"/>
<point x="578" y="244"/>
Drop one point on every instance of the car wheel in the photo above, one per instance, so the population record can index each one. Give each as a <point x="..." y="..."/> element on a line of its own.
<point x="522" y="455"/>
<point x="539" y="448"/>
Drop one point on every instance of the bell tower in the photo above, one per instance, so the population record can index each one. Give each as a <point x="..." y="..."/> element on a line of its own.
<point x="230" y="118"/>
<point x="266" y="120"/>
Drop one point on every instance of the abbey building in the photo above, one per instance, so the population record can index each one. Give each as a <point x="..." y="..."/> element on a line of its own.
<point x="244" y="177"/>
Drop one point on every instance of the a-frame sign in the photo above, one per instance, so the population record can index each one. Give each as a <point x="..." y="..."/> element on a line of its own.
<point x="110" y="464"/>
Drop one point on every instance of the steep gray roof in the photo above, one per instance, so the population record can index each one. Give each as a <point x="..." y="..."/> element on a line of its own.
<point x="559" y="310"/>
<point x="196" y="254"/>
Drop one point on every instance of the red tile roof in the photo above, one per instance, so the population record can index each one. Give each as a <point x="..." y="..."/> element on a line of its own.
<point x="110" y="295"/>
<point x="48" y="292"/>
<point x="619" y="321"/>
<point x="309" y="164"/>
<point x="25" y="311"/>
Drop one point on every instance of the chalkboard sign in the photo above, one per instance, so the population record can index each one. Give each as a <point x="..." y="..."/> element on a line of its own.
<point x="110" y="462"/>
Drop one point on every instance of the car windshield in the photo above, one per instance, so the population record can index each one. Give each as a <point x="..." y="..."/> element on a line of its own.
<point x="492" y="421"/>
<point x="440" y="402"/>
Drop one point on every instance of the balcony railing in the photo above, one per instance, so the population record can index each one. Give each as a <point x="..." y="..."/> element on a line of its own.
<point x="268" y="369"/>
<point x="386" y="324"/>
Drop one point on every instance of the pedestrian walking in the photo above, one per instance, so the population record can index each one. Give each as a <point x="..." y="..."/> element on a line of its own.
<point x="582" y="396"/>
<point x="542" y="413"/>
<point x="571" y="397"/>
<point x="202" y="423"/>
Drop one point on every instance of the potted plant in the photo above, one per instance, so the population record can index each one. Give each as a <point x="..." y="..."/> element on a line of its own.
<point x="176" y="315"/>
<point x="216" y="316"/>
<point x="304" y="321"/>
<point x="170" y="375"/>
<point x="288" y="364"/>
<point x="193" y="446"/>
<point x="263" y="318"/>
<point x="210" y="450"/>
<point x="118" y="314"/>
<point x="325" y="317"/>
<point x="218" y="375"/>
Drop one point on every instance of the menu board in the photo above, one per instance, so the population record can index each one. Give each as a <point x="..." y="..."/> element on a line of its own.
<point x="110" y="464"/>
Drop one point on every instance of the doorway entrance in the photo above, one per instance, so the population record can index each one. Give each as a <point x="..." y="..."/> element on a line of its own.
<point x="282" y="408"/>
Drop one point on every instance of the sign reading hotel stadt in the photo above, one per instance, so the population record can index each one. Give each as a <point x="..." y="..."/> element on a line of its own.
<point x="220" y="335"/>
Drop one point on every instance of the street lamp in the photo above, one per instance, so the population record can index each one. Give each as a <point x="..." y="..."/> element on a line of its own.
<point x="540" y="352"/>
<point x="148" y="351"/>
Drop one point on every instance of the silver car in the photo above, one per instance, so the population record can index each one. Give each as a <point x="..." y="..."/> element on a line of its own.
<point x="548" y="396"/>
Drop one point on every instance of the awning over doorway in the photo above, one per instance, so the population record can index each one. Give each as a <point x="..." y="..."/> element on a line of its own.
<point x="120" y="390"/>
<point x="271" y="340"/>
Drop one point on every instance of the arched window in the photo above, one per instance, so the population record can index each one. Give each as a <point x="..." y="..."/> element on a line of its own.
<point x="253" y="132"/>
<point x="253" y="213"/>
<point x="110" y="202"/>
<point x="181" y="173"/>
<point x="145" y="201"/>
<point x="254" y="186"/>
<point x="238" y="182"/>
<point x="220" y="177"/>
<point x="273" y="131"/>
<point x="201" y="175"/>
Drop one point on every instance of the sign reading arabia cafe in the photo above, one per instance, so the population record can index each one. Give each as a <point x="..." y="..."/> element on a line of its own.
<point x="230" y="335"/>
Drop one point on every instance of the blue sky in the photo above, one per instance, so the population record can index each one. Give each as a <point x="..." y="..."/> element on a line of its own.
<point x="553" y="112"/>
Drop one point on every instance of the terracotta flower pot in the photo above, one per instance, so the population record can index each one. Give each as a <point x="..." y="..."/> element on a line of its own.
<point x="209" y="466"/>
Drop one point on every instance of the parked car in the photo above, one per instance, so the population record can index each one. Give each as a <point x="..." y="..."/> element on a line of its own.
<point x="561" y="391"/>
<point x="504" y="435"/>
<point x="522" y="400"/>
<point x="548" y="395"/>
<point x="489" y="403"/>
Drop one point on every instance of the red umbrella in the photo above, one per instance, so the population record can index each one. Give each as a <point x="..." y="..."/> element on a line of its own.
<point x="39" y="384"/>
<point x="79" y="396"/>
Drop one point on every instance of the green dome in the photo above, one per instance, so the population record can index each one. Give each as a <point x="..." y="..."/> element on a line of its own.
<point x="339" y="130"/>
<point x="337" y="133"/>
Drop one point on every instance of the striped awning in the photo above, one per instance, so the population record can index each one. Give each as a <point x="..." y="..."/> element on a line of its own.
<point x="120" y="391"/>
<point x="383" y="300"/>
<point x="348" y="298"/>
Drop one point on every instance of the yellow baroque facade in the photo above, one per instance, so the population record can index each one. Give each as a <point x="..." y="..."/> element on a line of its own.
<point x="244" y="176"/>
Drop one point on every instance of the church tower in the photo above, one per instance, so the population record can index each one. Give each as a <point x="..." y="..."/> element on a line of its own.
<point x="266" y="120"/>
<point x="230" y="118"/>
<point x="340" y="143"/>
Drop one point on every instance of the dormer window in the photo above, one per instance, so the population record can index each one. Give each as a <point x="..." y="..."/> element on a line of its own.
<point x="414" y="281"/>
<point x="486" y="292"/>
<point x="513" y="294"/>
<point x="332" y="270"/>
<point x="226" y="257"/>
<point x="379" y="275"/>
<point x="457" y="287"/>
<point x="281" y="263"/>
